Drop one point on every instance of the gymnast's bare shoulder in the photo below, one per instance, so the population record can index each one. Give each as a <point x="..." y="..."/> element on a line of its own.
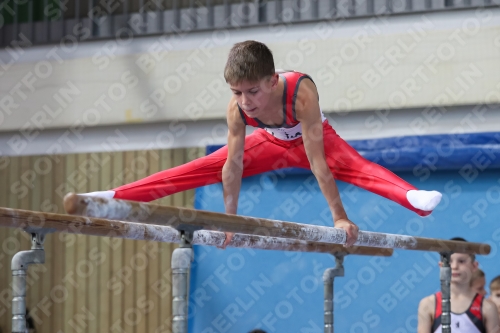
<point x="491" y="318"/>
<point x="426" y="312"/>
<point x="233" y="116"/>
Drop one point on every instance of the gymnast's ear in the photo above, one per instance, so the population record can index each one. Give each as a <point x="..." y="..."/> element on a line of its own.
<point x="274" y="79"/>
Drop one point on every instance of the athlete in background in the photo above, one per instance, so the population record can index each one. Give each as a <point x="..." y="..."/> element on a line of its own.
<point x="470" y="311"/>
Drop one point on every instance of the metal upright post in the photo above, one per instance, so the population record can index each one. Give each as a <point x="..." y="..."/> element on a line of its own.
<point x="329" y="279"/>
<point x="181" y="263"/>
<point x="19" y="266"/>
<point x="445" y="277"/>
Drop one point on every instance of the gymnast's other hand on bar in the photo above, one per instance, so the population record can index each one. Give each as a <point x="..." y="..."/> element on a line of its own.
<point x="350" y="228"/>
<point x="229" y="236"/>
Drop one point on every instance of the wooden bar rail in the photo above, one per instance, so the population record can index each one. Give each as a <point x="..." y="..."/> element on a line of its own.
<point x="32" y="221"/>
<point x="185" y="218"/>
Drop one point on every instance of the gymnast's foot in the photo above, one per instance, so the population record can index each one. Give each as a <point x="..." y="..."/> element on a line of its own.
<point x="424" y="200"/>
<point x="100" y="194"/>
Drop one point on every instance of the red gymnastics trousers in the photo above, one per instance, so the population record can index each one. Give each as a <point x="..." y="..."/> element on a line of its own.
<point x="264" y="152"/>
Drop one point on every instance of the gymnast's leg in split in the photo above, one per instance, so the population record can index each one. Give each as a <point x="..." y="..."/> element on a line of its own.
<point x="348" y="165"/>
<point x="262" y="154"/>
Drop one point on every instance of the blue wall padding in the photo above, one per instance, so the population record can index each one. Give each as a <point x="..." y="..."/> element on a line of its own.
<point x="428" y="152"/>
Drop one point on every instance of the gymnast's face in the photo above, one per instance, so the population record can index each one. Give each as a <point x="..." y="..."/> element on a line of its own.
<point x="462" y="267"/>
<point x="254" y="98"/>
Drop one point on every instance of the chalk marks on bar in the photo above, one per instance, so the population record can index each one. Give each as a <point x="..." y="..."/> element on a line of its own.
<point x="38" y="222"/>
<point x="185" y="218"/>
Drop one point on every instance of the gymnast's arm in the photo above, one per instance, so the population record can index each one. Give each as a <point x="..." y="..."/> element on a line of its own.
<point x="490" y="314"/>
<point x="426" y="314"/>
<point x="232" y="171"/>
<point x="309" y="115"/>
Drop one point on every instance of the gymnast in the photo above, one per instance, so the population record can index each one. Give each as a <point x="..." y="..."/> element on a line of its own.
<point x="292" y="132"/>
<point x="471" y="312"/>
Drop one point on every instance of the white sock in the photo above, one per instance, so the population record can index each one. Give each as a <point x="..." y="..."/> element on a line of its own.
<point x="100" y="194"/>
<point x="424" y="200"/>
